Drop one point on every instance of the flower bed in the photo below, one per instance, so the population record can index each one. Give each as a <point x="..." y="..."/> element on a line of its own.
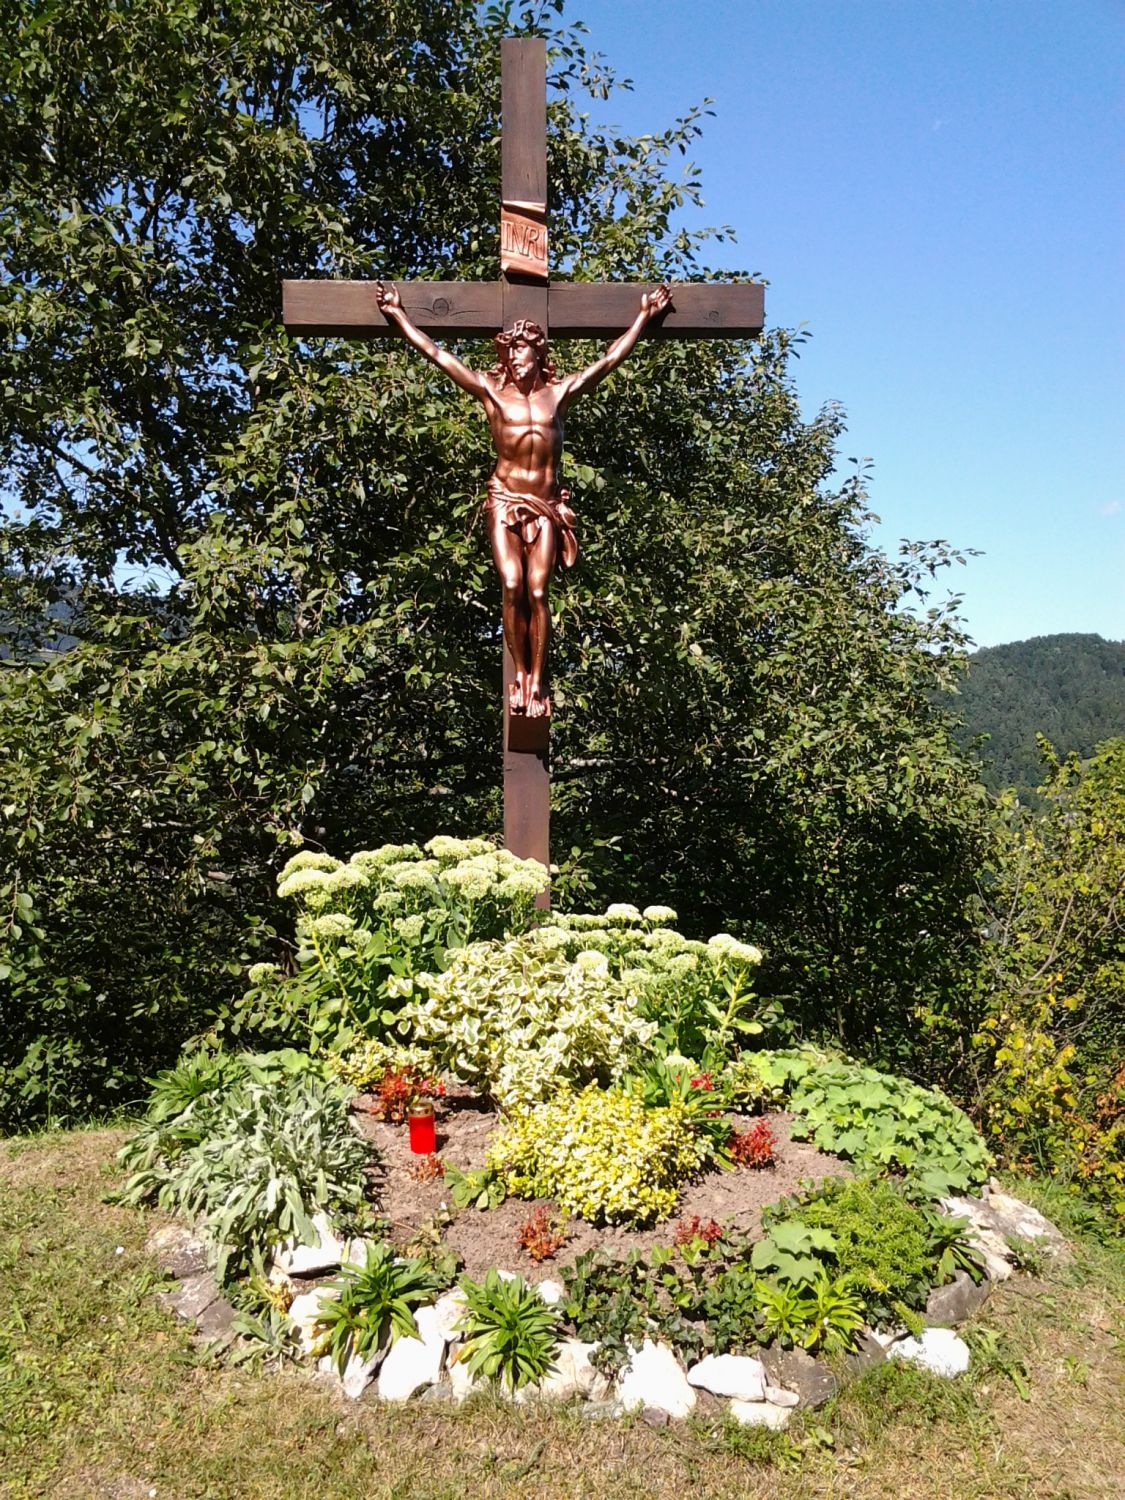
<point x="600" y="1119"/>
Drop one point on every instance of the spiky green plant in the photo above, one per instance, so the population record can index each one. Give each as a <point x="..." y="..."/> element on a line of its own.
<point x="510" y="1333"/>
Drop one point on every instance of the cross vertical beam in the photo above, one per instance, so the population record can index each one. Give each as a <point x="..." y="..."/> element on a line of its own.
<point x="523" y="193"/>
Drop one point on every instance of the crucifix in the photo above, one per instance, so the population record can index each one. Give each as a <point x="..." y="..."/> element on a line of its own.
<point x="532" y="527"/>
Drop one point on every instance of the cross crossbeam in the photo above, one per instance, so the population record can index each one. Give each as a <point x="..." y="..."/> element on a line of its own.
<point x="459" y="309"/>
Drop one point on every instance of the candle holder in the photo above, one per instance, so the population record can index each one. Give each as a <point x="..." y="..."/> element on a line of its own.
<point x="423" y="1130"/>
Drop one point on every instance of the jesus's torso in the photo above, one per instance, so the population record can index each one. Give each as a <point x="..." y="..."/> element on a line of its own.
<point x="527" y="433"/>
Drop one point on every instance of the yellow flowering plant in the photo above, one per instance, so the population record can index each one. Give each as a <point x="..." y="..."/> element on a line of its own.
<point x="600" y="1154"/>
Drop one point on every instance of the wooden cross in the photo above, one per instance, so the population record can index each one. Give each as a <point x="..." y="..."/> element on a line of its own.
<point x="460" y="309"/>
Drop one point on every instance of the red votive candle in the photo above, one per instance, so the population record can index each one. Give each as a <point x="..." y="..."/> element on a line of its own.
<point x="423" y="1133"/>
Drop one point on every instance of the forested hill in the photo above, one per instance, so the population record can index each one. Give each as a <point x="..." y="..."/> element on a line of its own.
<point x="1069" y="687"/>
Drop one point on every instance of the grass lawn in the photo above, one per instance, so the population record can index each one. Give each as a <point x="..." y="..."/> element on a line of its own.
<point x="102" y="1394"/>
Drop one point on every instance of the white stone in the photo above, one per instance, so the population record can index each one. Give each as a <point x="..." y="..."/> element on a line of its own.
<point x="760" y="1414"/>
<point x="938" y="1350"/>
<point x="981" y="1234"/>
<point x="358" y="1373"/>
<point x="463" y="1382"/>
<point x="355" y="1252"/>
<point x="309" y="1260"/>
<point x="413" y="1363"/>
<point x="304" y="1314"/>
<point x="571" y="1374"/>
<point x="507" y="1275"/>
<point x="449" y="1309"/>
<point x="776" y="1395"/>
<point x="730" y="1375"/>
<point x="551" y="1292"/>
<point x="655" y="1377"/>
<point x="886" y="1339"/>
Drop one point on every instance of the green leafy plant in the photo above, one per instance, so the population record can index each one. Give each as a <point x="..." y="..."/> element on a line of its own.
<point x="700" y="995"/>
<point x="376" y="1301"/>
<point x="429" y="1245"/>
<point x="782" y="1312"/>
<point x="509" y="1332"/>
<point x="880" y="1122"/>
<point x="834" y="1312"/>
<point x="518" y="1019"/>
<point x="609" y="1301"/>
<point x="790" y="1251"/>
<point x="868" y="1231"/>
<point x="256" y="1161"/>
<point x="949" y="1244"/>
<point x="1055" y="1101"/>
<point x="368" y="926"/>
<point x="665" y="1081"/>
<point x="481" y="1187"/>
<point x="268" y="1338"/>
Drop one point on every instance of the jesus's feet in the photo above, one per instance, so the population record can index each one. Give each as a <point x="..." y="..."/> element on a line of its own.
<point x="538" y="703"/>
<point x="517" y="695"/>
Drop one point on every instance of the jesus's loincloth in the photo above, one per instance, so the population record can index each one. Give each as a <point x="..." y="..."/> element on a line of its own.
<point x="528" y="514"/>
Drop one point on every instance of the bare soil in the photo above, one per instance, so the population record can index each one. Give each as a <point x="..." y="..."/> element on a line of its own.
<point x="490" y="1238"/>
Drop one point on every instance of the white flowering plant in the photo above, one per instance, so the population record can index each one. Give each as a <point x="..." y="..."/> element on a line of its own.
<point x="368" y="923"/>
<point x="518" y="1019"/>
<point x="699" y="995"/>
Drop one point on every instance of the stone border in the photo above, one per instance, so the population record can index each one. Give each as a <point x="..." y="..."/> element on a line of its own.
<point x="763" y="1390"/>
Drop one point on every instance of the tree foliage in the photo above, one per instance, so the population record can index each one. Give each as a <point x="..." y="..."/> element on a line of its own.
<point x="246" y="596"/>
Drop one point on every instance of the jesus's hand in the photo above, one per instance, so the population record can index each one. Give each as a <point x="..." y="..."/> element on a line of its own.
<point x="654" y="303"/>
<point x="388" y="298"/>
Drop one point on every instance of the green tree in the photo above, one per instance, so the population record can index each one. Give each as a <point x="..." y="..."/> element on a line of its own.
<point x="246" y="600"/>
<point x="1054" y="1095"/>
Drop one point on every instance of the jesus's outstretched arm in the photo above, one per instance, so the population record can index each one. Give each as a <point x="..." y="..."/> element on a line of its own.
<point x="390" y="305"/>
<point x="652" y="304"/>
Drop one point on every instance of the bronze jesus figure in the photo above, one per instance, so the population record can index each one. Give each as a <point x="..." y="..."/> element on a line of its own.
<point x="530" y="523"/>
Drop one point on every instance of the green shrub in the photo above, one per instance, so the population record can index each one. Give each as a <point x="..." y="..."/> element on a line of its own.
<point x="367" y="926"/>
<point x="364" y="1064"/>
<point x="880" y="1122"/>
<point x="708" y="1299"/>
<point x="509" y="1331"/>
<point x="1055" y="1101"/>
<point x="254" y="1160"/>
<point x="600" y="1154"/>
<point x="665" y="1081"/>
<point x="518" y="1019"/>
<point x="869" y="1233"/>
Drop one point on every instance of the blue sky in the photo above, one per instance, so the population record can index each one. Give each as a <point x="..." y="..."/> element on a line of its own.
<point x="932" y="189"/>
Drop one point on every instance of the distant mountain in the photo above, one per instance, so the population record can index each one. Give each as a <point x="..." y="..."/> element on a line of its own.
<point x="1069" y="687"/>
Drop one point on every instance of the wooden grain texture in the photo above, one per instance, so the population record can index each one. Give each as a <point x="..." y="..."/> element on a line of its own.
<point x="579" y="309"/>
<point x="524" y="300"/>
<point x="347" y="309"/>
<point x="478" y="309"/>
<point x="523" y="120"/>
